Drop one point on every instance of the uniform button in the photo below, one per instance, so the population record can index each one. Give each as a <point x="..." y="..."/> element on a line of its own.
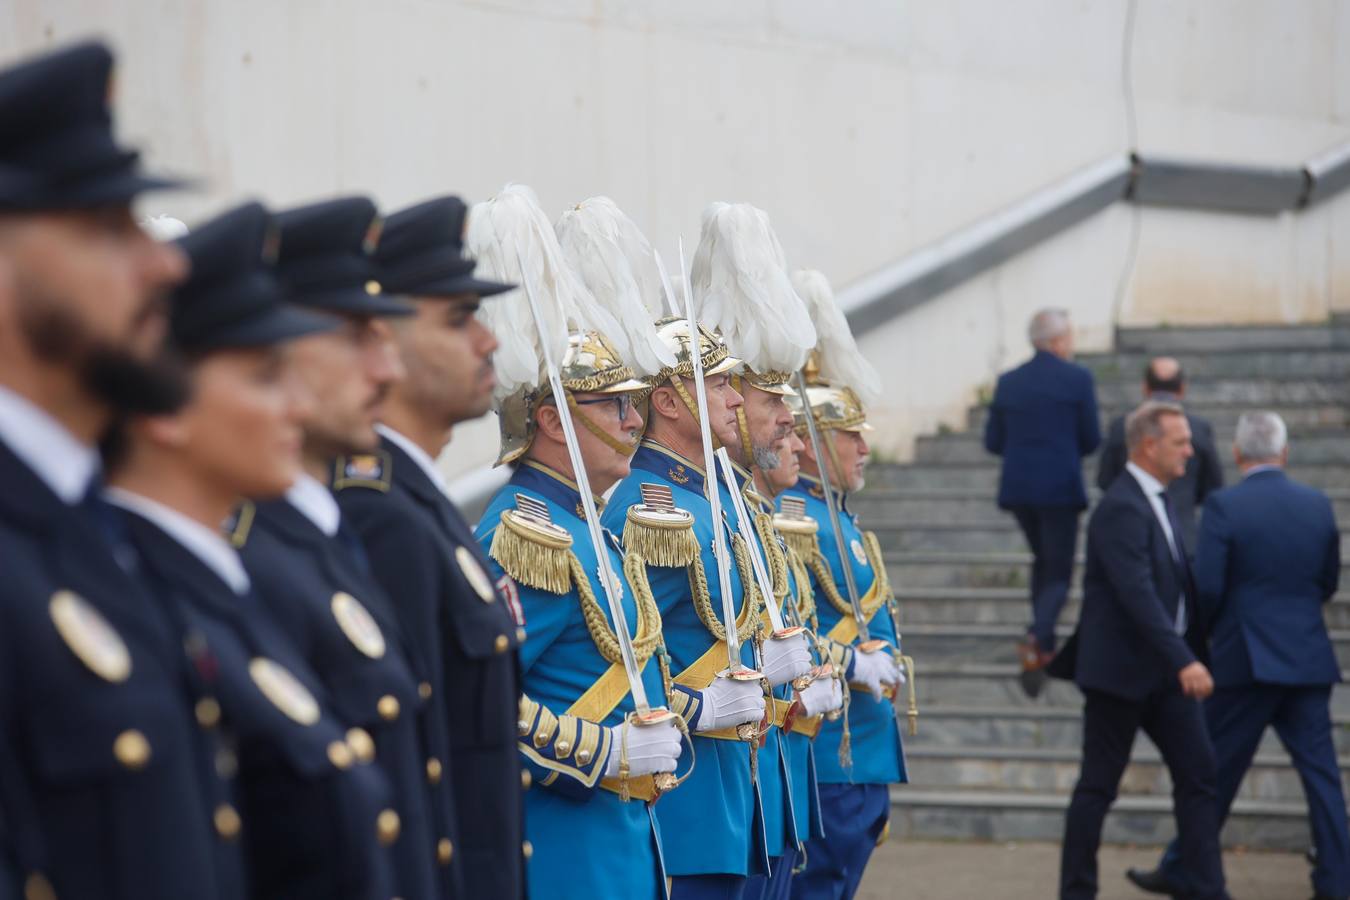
<point x="37" y="887"/>
<point x="562" y="748"/>
<point x="526" y="779"/>
<point x="583" y="757"/>
<point x="522" y="727"/>
<point x="434" y="770"/>
<point x="388" y="707"/>
<point x="520" y="635"/>
<point x="387" y="827"/>
<point x="361" y="744"/>
<point x="227" y="764"/>
<point x="340" y="755"/>
<point x="526" y="849"/>
<point x="227" y="821"/>
<point x="501" y="644"/>
<point x="424" y="690"/>
<point x="208" y="712"/>
<point x="444" y="851"/>
<point x="132" y="749"/>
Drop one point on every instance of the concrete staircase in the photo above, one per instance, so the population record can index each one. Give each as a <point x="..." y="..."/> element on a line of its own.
<point x="990" y="764"/>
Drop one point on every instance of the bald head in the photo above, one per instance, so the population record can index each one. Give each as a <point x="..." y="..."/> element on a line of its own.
<point x="1164" y="379"/>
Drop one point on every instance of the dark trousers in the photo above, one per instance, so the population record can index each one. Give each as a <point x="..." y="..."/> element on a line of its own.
<point x="1052" y="534"/>
<point x="777" y="886"/>
<point x="1175" y="723"/>
<point x="1237" y="717"/>
<point x="854" y="816"/>
<point x="707" y="887"/>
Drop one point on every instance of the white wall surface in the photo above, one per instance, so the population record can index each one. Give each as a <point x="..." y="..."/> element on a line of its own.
<point x="867" y="128"/>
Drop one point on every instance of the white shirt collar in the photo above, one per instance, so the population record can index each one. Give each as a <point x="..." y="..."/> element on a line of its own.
<point x="63" y="463"/>
<point x="316" y="503"/>
<point x="424" y="462"/>
<point x="1152" y="486"/>
<point x="1268" y="467"/>
<point x="206" y="544"/>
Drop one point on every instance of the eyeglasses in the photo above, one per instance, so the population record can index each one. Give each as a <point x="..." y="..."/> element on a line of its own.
<point x="623" y="403"/>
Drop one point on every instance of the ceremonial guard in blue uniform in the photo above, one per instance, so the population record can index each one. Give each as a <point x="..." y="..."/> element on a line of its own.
<point x="309" y="567"/>
<point x="106" y="781"/>
<point x="740" y="279"/>
<point x="463" y="633"/>
<point x="596" y="773"/>
<point x="309" y="812"/>
<point x="860" y="755"/>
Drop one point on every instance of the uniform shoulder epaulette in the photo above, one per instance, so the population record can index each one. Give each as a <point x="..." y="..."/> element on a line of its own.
<point x="659" y="531"/>
<point x="237" y="526"/>
<point x="531" y="548"/>
<point x="797" y="528"/>
<point x="373" y="470"/>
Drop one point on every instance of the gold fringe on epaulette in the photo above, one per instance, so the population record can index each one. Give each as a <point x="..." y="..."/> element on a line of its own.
<point x="773" y="555"/>
<point x="806" y="595"/>
<point x="667" y="545"/>
<point x="531" y="557"/>
<point x="805" y="545"/>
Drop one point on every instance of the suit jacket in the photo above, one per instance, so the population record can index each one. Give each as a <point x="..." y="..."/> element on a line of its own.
<point x="1204" y="471"/>
<point x="1126" y="642"/>
<point x="426" y="558"/>
<point x="1269" y="557"/>
<point x="1043" y="421"/>
<point x="106" y="779"/>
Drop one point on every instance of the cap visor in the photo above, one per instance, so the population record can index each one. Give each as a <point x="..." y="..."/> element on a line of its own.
<point x="278" y="325"/>
<point x="780" y="390"/>
<point x="453" y="286"/>
<point x="91" y="193"/>
<point x="725" y="365"/>
<point x="627" y="386"/>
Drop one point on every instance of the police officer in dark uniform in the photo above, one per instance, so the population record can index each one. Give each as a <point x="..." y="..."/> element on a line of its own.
<point x="424" y="553"/>
<point x="308" y="565"/>
<point x="106" y="780"/>
<point x="310" y="812"/>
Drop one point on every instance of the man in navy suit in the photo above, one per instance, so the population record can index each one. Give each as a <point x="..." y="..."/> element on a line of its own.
<point x="1269" y="557"/>
<point x="1138" y="656"/>
<point x="1043" y="421"/>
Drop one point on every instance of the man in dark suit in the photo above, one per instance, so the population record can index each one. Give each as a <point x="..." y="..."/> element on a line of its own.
<point x="1164" y="380"/>
<point x="1043" y="421"/>
<point x="1138" y="658"/>
<point x="1269" y="557"/>
<point x="462" y="629"/>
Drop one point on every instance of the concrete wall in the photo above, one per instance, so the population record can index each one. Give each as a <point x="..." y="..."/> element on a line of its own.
<point x="867" y="129"/>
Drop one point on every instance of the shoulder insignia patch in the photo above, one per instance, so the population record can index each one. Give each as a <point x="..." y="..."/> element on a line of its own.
<point x="90" y="637"/>
<point x="237" y="526"/>
<point x="368" y="470"/>
<point x="677" y="474"/>
<point x="506" y="586"/>
<point x="817" y="491"/>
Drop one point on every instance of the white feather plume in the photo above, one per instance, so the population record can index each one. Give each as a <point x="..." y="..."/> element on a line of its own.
<point x="509" y="223"/>
<point x="841" y="362"/>
<point x="617" y="264"/>
<point x="740" y="282"/>
<point x="163" y="228"/>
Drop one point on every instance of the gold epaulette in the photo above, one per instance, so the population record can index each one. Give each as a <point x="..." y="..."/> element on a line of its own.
<point x="532" y="549"/>
<point x="237" y="526"/>
<point x="799" y="530"/>
<point x="374" y="470"/>
<point x="660" y="532"/>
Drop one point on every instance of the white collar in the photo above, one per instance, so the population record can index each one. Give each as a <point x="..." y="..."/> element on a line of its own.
<point x="316" y="503"/>
<point x="1152" y="486"/>
<point x="1267" y="467"/>
<point x="424" y="462"/>
<point x="206" y="544"/>
<point x="62" y="462"/>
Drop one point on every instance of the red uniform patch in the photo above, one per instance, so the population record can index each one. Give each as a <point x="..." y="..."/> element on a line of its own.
<point x="506" y="586"/>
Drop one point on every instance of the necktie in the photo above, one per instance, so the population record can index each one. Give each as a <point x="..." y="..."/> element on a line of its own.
<point x="352" y="544"/>
<point x="1182" y="560"/>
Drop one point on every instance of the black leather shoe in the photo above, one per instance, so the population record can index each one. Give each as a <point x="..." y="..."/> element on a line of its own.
<point x="1154" y="881"/>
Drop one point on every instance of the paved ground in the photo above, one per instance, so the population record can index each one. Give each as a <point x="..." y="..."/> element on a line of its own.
<point x="930" y="870"/>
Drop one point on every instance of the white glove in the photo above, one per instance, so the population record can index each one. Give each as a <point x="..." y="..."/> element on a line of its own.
<point x="786" y="659"/>
<point x="651" y="748"/>
<point x="875" y="670"/>
<point x="821" y="696"/>
<point x="728" y="702"/>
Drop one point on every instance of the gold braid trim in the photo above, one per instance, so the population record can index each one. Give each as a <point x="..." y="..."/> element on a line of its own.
<point x="533" y="556"/>
<point x="806" y="597"/>
<point x="747" y="621"/>
<point x="872" y="549"/>
<point x="820" y="566"/>
<point x="773" y="554"/>
<point x="606" y="641"/>
<point x="665" y="544"/>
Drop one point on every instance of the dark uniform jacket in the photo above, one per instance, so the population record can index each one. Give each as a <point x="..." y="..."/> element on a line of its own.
<point x="312" y="815"/>
<point x="426" y="558"/>
<point x="106" y="780"/>
<point x="320" y="590"/>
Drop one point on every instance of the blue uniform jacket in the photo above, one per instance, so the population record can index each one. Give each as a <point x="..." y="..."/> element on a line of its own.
<point x="320" y="591"/>
<point x="92" y="824"/>
<point x="1269" y="556"/>
<point x="715" y="823"/>
<point x="587" y="841"/>
<point x="425" y="557"/>
<point x="878" y="755"/>
<point x="310" y="812"/>
<point x="1043" y="421"/>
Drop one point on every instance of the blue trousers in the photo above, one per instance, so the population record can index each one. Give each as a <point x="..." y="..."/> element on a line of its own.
<point x="1237" y="717"/>
<point x="854" y="816"/>
<point x="777" y="886"/>
<point x="707" y="887"/>
<point x="1052" y="534"/>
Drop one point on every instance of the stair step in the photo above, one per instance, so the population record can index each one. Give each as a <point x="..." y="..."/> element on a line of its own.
<point x="989" y="535"/>
<point x="1323" y="445"/>
<point x="1222" y="416"/>
<point x="1196" y="340"/>
<point x="984" y="475"/>
<point x="1318" y="362"/>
